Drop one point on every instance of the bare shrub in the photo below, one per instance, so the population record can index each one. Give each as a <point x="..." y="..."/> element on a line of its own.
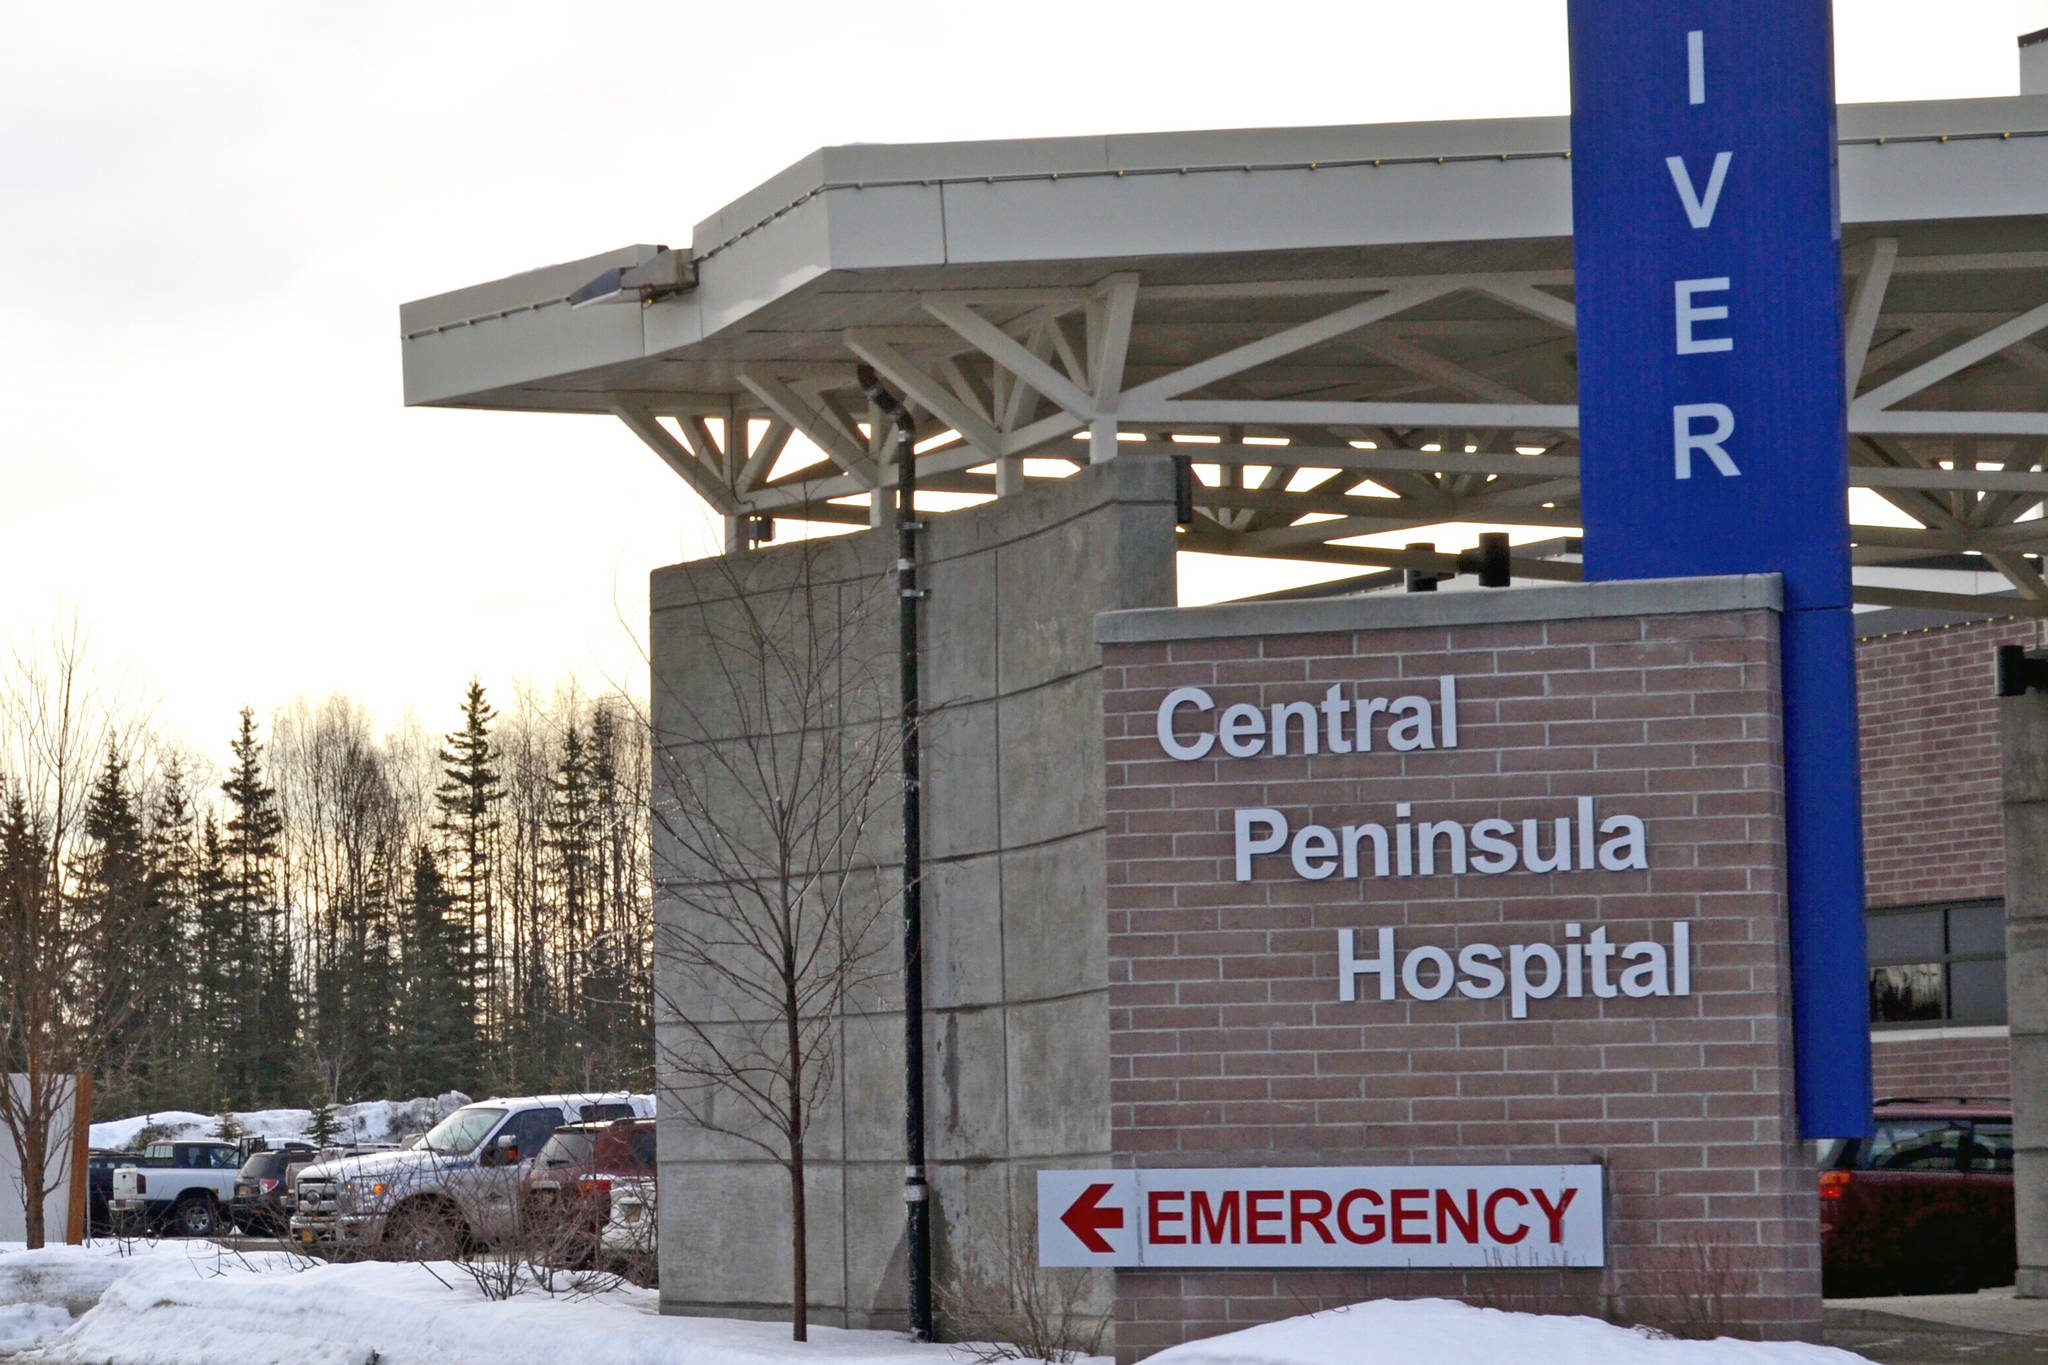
<point x="1002" y="1305"/>
<point x="1698" y="1288"/>
<point x="552" y="1251"/>
<point x="1532" y="1284"/>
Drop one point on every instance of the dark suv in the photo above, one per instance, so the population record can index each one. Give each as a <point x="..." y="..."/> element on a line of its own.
<point x="1924" y="1205"/>
<point x="260" y="1208"/>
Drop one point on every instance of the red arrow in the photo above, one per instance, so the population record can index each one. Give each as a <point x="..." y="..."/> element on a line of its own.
<point x="1086" y="1218"/>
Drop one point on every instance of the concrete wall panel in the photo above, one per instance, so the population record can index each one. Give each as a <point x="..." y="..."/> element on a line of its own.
<point x="964" y="937"/>
<point x="1050" y="736"/>
<point x="961" y="759"/>
<point x="1059" y="1090"/>
<point x="969" y="1114"/>
<point x="750" y="1276"/>
<point x="1052" y="948"/>
<point x="1012" y="832"/>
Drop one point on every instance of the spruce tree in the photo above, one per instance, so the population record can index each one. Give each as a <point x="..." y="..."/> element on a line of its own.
<point x="263" y="971"/>
<point x="220" y="961"/>
<point x="108" y="896"/>
<point x="436" y="1040"/>
<point x="323" y="1124"/>
<point x="468" y="798"/>
<point x="168" y="1070"/>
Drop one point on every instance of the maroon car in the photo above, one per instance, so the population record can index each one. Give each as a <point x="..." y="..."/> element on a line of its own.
<point x="1923" y="1205"/>
<point x="566" y="1195"/>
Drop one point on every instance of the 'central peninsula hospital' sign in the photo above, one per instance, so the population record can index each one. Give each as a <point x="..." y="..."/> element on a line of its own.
<point x="1267" y="841"/>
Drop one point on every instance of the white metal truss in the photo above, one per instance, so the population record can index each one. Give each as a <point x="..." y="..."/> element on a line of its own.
<point x="1315" y="412"/>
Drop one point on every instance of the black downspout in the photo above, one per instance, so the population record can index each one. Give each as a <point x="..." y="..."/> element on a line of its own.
<point x="916" y="1191"/>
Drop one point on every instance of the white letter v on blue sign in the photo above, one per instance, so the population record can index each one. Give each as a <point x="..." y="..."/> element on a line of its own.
<point x="1700" y="211"/>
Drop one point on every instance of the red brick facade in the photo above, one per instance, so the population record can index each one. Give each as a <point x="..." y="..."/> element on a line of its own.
<point x="1230" y="1046"/>
<point x="1933" y="829"/>
<point x="1937" y="1062"/>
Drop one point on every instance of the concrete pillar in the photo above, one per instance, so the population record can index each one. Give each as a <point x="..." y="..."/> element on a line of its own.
<point x="2023" y="740"/>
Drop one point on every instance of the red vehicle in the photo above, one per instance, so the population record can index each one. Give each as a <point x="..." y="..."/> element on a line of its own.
<point x="1924" y="1205"/>
<point x="567" y="1194"/>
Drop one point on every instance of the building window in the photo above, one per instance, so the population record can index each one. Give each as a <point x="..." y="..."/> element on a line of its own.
<point x="1934" y="964"/>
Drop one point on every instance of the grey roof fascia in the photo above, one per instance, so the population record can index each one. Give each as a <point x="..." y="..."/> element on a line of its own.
<point x="530" y="289"/>
<point x="929" y="206"/>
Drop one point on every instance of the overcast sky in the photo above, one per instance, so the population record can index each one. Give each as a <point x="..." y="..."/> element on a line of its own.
<point x="213" y="210"/>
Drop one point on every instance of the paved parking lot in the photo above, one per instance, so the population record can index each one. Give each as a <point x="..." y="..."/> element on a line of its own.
<point x="1984" y="1329"/>
<point x="1928" y="1344"/>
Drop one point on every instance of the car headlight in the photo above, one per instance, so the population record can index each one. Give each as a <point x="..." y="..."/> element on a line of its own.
<point x="363" y="1193"/>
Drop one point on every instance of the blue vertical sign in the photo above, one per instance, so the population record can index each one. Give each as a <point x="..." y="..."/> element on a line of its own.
<point x="1712" y="408"/>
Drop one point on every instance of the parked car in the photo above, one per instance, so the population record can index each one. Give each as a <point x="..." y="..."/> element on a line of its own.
<point x="99" y="1187"/>
<point x="259" y="1206"/>
<point x="288" y="1198"/>
<point x="1924" y="1205"/>
<point x="457" y="1188"/>
<point x="567" y="1193"/>
<point x="627" y="1242"/>
<point x="182" y="1187"/>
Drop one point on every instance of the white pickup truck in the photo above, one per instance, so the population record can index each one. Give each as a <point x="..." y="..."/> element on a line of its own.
<point x="185" y="1187"/>
<point x="455" y="1188"/>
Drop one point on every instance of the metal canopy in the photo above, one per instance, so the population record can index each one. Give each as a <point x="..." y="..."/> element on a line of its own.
<point x="1348" y="331"/>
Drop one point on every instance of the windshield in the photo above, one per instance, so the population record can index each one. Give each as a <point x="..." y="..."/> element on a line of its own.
<point x="461" y="1131"/>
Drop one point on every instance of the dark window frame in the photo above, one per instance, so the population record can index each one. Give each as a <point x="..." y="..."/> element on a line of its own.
<point x="1945" y="962"/>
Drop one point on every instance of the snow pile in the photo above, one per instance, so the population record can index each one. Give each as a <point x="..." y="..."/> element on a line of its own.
<point x="192" y="1303"/>
<point x="23" y="1325"/>
<point x="1387" y="1332"/>
<point x="41" y="1291"/>
<point x="367" y="1121"/>
<point x="70" y="1279"/>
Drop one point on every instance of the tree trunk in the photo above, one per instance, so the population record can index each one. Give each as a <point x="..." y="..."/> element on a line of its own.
<point x="799" y="1278"/>
<point x="799" y="1265"/>
<point x="35" y="1159"/>
<point x="34" y="1167"/>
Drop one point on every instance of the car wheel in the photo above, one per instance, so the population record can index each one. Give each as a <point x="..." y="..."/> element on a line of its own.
<point x="196" y="1216"/>
<point x="424" y="1232"/>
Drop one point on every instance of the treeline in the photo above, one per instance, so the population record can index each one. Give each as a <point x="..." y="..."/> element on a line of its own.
<point x="344" y="914"/>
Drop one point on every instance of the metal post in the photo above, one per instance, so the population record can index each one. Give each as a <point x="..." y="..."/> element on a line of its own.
<point x="916" y="1190"/>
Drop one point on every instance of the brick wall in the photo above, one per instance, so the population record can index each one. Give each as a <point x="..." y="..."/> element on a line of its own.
<point x="1941" y="1062"/>
<point x="1932" y="826"/>
<point x="1229" y="1045"/>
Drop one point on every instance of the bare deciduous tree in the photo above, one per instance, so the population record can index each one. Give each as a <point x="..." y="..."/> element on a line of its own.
<point x="61" y="1009"/>
<point x="774" y="757"/>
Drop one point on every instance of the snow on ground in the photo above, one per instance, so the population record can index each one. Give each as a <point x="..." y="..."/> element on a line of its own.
<point x="30" y="1324"/>
<point x="368" y="1121"/>
<point x="1389" y="1332"/>
<point x="193" y="1303"/>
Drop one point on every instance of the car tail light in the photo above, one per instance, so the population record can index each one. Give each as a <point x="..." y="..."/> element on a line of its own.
<point x="268" y="1185"/>
<point x="1832" y="1183"/>
<point x="142" y="1184"/>
<point x="589" y="1185"/>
